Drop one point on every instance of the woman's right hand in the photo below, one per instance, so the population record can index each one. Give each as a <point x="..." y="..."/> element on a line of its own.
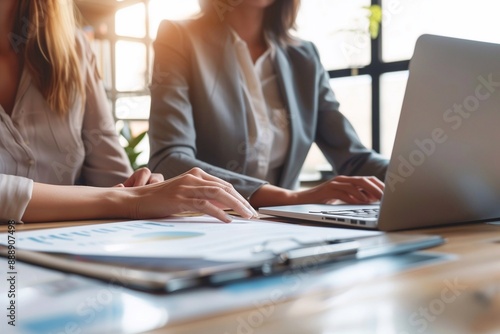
<point x="193" y="191"/>
<point x="349" y="189"/>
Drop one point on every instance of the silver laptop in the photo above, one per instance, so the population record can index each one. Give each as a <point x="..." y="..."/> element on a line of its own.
<point x="445" y="165"/>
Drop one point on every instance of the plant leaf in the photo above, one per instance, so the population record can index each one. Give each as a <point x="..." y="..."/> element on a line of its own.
<point x="133" y="142"/>
<point x="375" y="19"/>
<point x="133" y="157"/>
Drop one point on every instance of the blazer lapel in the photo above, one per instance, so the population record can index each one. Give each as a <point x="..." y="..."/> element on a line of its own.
<point x="284" y="73"/>
<point x="222" y="73"/>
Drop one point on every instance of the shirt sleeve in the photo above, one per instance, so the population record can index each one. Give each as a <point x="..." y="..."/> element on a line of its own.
<point x="337" y="138"/>
<point x="15" y="194"/>
<point x="106" y="163"/>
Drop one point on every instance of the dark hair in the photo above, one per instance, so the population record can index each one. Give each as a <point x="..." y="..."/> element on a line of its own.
<point x="279" y="17"/>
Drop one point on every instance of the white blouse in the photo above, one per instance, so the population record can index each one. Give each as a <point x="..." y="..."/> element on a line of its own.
<point x="269" y="134"/>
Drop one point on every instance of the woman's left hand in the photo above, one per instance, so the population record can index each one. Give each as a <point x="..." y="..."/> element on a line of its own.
<point x="141" y="177"/>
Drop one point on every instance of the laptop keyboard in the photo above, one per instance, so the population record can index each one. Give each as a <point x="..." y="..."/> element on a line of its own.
<point x="359" y="213"/>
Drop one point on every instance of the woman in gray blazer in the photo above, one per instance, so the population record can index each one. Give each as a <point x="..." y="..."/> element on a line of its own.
<point x="236" y="95"/>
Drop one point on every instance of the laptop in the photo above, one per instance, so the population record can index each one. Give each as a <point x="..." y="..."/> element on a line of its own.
<point x="445" y="164"/>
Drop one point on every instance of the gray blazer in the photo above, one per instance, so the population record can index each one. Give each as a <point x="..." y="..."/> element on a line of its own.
<point x="198" y="110"/>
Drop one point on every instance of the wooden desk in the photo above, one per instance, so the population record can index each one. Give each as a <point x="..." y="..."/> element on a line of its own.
<point x="457" y="296"/>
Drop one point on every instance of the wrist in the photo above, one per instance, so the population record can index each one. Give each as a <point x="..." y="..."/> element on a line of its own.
<point x="118" y="203"/>
<point x="269" y="195"/>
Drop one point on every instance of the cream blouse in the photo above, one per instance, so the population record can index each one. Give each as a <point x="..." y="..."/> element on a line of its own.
<point x="36" y="144"/>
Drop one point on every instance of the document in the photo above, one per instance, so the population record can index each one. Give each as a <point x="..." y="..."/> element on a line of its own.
<point x="187" y="237"/>
<point x="187" y="252"/>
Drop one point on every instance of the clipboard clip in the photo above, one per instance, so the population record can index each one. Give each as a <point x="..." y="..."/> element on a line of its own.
<point x="308" y="253"/>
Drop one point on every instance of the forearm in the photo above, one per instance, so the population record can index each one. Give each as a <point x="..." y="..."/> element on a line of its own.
<point x="192" y="191"/>
<point x="269" y="195"/>
<point x="57" y="203"/>
<point x="373" y="165"/>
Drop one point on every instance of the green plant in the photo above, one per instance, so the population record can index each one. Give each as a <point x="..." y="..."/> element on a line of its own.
<point x="131" y="144"/>
<point x="374" y="17"/>
<point x="374" y="20"/>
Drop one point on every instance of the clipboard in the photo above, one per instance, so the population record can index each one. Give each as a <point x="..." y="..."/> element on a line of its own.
<point x="175" y="272"/>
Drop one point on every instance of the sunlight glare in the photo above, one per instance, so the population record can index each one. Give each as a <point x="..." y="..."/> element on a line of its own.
<point x="170" y="10"/>
<point x="130" y="21"/>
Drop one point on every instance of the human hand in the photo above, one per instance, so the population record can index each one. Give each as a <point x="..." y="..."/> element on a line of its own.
<point x="141" y="177"/>
<point x="195" y="191"/>
<point x="350" y="189"/>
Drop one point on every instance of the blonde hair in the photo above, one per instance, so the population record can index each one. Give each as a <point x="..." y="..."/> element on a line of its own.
<point x="48" y="28"/>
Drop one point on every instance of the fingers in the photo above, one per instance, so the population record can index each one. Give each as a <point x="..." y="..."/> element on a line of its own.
<point x="198" y="172"/>
<point x="205" y="206"/>
<point x="350" y="189"/>
<point x="138" y="178"/>
<point x="235" y="201"/>
<point x="365" y="189"/>
<point x="156" y="178"/>
<point x="141" y="177"/>
<point x="220" y="196"/>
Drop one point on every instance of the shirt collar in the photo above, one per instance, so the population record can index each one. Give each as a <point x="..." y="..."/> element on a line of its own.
<point x="271" y="47"/>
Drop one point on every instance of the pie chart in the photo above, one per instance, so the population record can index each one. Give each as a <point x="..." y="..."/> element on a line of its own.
<point x="165" y="235"/>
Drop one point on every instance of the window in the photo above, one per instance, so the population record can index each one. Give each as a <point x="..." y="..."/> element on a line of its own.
<point x="368" y="76"/>
<point x="122" y="34"/>
<point x="339" y="30"/>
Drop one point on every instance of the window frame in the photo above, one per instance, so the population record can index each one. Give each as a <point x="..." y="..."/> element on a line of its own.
<point x="375" y="69"/>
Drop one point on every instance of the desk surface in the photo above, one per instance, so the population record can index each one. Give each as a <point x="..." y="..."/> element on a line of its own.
<point x="457" y="296"/>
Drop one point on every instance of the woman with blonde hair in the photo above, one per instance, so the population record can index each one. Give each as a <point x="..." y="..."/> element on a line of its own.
<point x="236" y="94"/>
<point x="57" y="132"/>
